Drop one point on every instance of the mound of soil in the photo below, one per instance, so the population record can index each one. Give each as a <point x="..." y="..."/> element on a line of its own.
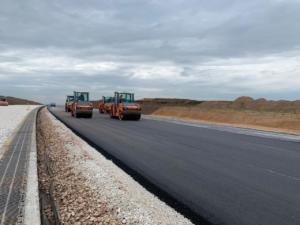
<point x="150" y="105"/>
<point x="281" y="115"/>
<point x="19" y="101"/>
<point x="240" y="104"/>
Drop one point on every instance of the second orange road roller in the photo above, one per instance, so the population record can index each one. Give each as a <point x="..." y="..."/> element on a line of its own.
<point x="124" y="107"/>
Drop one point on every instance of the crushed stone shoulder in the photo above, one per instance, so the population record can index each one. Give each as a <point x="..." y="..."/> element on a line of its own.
<point x="133" y="203"/>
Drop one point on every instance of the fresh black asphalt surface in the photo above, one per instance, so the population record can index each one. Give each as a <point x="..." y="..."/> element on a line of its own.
<point x="226" y="177"/>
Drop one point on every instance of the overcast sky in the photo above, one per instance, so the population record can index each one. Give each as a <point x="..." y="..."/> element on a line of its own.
<point x="171" y="48"/>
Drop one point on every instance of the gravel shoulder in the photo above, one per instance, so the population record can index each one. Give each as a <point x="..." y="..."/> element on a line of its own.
<point x="11" y="118"/>
<point x="91" y="189"/>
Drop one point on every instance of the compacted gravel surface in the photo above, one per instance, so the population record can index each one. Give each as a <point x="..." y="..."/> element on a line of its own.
<point x="88" y="188"/>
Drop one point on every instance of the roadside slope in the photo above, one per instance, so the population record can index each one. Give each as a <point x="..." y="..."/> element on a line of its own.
<point x="19" y="101"/>
<point x="282" y="116"/>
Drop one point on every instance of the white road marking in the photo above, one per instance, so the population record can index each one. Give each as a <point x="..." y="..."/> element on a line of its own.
<point x="274" y="172"/>
<point x="236" y="130"/>
<point x="283" y="175"/>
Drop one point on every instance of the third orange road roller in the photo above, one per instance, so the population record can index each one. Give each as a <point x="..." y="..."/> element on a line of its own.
<point x="124" y="107"/>
<point x="81" y="105"/>
<point x="106" y="104"/>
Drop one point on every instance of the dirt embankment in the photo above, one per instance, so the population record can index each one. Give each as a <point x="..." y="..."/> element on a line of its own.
<point x="150" y="105"/>
<point x="19" y="101"/>
<point x="243" y="112"/>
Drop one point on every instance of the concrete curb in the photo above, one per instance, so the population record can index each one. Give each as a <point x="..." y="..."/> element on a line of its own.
<point x="32" y="204"/>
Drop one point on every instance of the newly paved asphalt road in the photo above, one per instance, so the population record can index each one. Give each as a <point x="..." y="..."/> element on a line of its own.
<point x="225" y="176"/>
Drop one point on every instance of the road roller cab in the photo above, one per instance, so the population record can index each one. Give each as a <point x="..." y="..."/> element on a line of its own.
<point x="81" y="105"/>
<point x="124" y="107"/>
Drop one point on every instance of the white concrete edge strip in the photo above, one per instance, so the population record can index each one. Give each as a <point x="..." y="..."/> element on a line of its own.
<point x="227" y="128"/>
<point x="32" y="203"/>
<point x="8" y="141"/>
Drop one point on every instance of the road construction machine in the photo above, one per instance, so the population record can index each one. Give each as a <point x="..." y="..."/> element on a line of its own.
<point x="81" y="106"/>
<point x="106" y="104"/>
<point x="124" y="107"/>
<point x="68" y="103"/>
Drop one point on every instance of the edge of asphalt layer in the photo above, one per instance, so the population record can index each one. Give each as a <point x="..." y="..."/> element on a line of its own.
<point x="32" y="204"/>
<point x="171" y="201"/>
<point x="227" y="128"/>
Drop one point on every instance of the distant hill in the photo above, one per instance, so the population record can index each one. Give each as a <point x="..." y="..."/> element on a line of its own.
<point x="19" y="101"/>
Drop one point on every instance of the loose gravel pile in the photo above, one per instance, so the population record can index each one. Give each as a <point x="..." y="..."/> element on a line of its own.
<point x="91" y="189"/>
<point x="10" y="118"/>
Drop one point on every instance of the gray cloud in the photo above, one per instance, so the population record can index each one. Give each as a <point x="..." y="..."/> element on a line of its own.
<point x="174" y="48"/>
